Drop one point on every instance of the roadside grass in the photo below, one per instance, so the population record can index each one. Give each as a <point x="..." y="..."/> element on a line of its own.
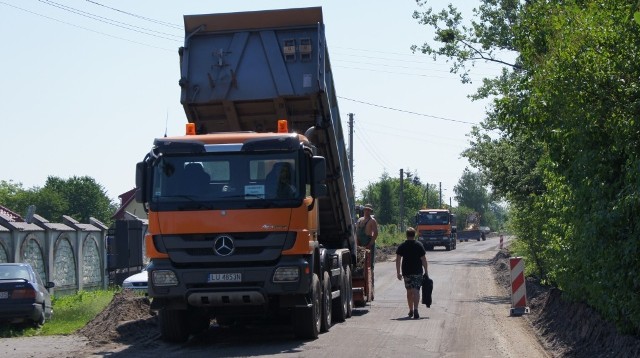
<point x="518" y="248"/>
<point x="389" y="235"/>
<point x="70" y="313"/>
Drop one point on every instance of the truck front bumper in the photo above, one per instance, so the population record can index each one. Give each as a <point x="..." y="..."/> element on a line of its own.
<point x="228" y="286"/>
<point x="431" y="241"/>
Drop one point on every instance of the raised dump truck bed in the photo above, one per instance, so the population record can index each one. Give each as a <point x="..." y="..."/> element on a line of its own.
<point x="242" y="71"/>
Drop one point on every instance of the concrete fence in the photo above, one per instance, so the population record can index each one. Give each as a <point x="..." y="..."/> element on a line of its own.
<point x="70" y="254"/>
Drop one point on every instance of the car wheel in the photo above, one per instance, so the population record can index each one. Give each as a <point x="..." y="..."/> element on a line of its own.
<point x="41" y="320"/>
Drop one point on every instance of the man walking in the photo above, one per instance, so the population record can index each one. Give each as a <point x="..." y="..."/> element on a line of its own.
<point x="411" y="257"/>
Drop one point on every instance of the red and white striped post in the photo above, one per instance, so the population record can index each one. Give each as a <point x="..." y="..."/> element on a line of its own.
<point x="518" y="287"/>
<point x="501" y="240"/>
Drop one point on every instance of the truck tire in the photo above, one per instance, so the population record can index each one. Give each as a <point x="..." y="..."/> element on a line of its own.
<point x="173" y="325"/>
<point x="306" y="322"/>
<point x="327" y="303"/>
<point x="448" y="247"/>
<point x="349" y="287"/>
<point x="340" y="306"/>
<point x="199" y="321"/>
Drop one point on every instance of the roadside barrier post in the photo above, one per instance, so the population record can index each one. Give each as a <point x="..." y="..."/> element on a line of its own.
<point x="518" y="287"/>
<point x="501" y="240"/>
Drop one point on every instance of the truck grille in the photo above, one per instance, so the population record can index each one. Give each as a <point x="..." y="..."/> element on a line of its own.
<point x="252" y="248"/>
<point x="432" y="233"/>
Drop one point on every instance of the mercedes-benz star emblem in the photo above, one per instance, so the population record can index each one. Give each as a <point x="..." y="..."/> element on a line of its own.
<point x="223" y="245"/>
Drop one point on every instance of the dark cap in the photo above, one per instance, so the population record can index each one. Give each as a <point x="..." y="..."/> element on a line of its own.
<point x="369" y="207"/>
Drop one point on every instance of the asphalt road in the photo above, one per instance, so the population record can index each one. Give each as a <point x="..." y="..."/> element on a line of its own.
<point x="469" y="317"/>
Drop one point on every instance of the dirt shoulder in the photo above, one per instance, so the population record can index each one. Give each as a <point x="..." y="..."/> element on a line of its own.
<point x="567" y="329"/>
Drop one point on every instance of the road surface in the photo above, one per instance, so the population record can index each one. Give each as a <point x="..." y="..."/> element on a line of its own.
<point x="469" y="317"/>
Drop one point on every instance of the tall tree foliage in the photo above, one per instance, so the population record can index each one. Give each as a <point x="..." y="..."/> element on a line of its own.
<point x="471" y="192"/>
<point x="566" y="110"/>
<point x="78" y="197"/>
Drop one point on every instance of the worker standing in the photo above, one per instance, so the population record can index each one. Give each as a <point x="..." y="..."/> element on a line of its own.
<point x="367" y="232"/>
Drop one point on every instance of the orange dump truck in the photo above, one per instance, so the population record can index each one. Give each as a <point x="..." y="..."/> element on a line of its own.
<point x="252" y="211"/>
<point x="436" y="227"/>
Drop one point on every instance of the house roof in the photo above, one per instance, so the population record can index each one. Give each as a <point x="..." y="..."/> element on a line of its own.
<point x="9" y="215"/>
<point x="125" y="199"/>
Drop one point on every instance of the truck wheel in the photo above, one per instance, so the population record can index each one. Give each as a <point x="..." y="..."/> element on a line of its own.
<point x="199" y="321"/>
<point x="173" y="325"/>
<point x="349" y="288"/>
<point x="306" y="321"/>
<point x="448" y="247"/>
<point x="327" y="305"/>
<point x="340" y="306"/>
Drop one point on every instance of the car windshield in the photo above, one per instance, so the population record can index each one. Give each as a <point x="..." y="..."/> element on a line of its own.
<point x="12" y="272"/>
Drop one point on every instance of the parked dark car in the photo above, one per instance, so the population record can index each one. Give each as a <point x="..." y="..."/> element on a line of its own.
<point x="23" y="296"/>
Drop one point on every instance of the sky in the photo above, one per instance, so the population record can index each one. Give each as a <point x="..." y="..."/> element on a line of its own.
<point x="87" y="85"/>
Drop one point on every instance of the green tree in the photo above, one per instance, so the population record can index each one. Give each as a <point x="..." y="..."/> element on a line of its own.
<point x="78" y="197"/>
<point x="84" y="197"/>
<point x="471" y="193"/>
<point x="564" y="127"/>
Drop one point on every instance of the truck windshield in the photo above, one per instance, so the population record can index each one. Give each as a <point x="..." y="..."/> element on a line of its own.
<point x="434" y="218"/>
<point x="227" y="177"/>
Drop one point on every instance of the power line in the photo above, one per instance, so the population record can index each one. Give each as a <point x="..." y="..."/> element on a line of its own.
<point x="84" y="28"/>
<point x="113" y="22"/>
<point x="371" y="150"/>
<point x="159" y="22"/>
<point x="405" y="111"/>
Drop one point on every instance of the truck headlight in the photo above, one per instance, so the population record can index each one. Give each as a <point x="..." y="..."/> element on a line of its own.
<point x="286" y="274"/>
<point x="164" y="278"/>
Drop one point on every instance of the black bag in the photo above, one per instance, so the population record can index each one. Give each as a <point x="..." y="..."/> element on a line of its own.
<point x="427" y="289"/>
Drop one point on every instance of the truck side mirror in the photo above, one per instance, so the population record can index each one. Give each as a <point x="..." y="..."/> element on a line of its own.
<point x="318" y="177"/>
<point x="141" y="180"/>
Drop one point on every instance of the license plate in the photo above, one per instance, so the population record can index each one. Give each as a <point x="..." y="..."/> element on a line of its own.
<point x="225" y="277"/>
<point x="4" y="294"/>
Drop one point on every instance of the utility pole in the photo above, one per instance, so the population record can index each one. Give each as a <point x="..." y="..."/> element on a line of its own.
<point x="351" y="149"/>
<point x="401" y="201"/>
<point x="440" y="195"/>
